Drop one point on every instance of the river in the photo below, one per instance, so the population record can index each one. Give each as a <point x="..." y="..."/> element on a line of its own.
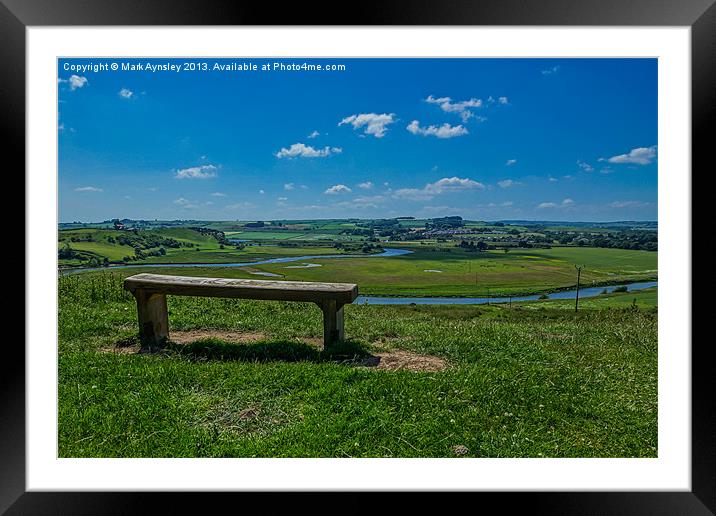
<point x="563" y="294"/>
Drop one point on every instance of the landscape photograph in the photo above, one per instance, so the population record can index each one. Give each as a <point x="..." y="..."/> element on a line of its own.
<point x="359" y="257"/>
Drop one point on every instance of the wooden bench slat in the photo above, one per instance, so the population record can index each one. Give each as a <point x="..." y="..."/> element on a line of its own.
<point x="243" y="288"/>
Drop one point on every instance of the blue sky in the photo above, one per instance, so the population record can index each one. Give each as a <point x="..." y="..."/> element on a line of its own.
<point x="487" y="139"/>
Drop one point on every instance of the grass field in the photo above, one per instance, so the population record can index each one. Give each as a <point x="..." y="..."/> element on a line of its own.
<point x="433" y="269"/>
<point x="248" y="254"/>
<point x="102" y="246"/>
<point x="206" y="248"/>
<point x="517" y="382"/>
<point x="644" y="299"/>
<point x="467" y="273"/>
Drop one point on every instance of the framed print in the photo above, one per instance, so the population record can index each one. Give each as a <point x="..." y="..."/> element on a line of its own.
<point x="420" y="252"/>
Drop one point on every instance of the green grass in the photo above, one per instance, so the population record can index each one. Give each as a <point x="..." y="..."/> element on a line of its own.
<point x="265" y="235"/>
<point x="472" y="273"/>
<point x="520" y="382"/>
<point x="206" y="248"/>
<point x="114" y="251"/>
<point x="647" y="298"/>
<point x="463" y="273"/>
<point x="247" y="254"/>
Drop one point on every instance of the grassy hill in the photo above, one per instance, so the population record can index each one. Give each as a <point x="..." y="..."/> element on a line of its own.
<point x="245" y="379"/>
<point x="121" y="245"/>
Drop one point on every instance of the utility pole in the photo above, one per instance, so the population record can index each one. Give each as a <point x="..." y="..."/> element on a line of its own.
<point x="576" y="299"/>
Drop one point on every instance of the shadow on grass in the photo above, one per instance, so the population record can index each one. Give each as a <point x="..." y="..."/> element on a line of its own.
<point x="211" y="348"/>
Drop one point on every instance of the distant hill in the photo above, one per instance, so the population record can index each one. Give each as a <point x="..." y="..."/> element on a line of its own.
<point x="618" y="224"/>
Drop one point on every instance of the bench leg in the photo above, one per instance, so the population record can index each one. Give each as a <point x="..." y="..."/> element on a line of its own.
<point x="332" y="323"/>
<point x="153" y="319"/>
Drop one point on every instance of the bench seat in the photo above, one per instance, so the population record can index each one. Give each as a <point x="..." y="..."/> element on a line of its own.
<point x="150" y="291"/>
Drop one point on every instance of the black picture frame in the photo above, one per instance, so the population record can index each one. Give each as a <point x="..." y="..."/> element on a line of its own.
<point x="17" y="15"/>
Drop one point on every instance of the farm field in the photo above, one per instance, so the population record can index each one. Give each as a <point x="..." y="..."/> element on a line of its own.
<point x="246" y="379"/>
<point x="204" y="249"/>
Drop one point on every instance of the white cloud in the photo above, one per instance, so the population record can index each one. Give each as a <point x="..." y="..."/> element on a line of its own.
<point x="125" y="93"/>
<point x="566" y="203"/>
<point x="77" y="82"/>
<point x="337" y="189"/>
<point x="507" y="183"/>
<point x="283" y="199"/>
<point x="289" y="186"/>
<point x="218" y="194"/>
<point x="240" y="206"/>
<point x="88" y="189"/>
<point x="444" y="131"/>
<point x="444" y="185"/>
<point x="550" y="71"/>
<point x="367" y="185"/>
<point x="507" y="204"/>
<point x="185" y="203"/>
<point x="262" y="192"/>
<point x="585" y="166"/>
<point x="629" y="204"/>
<point x="638" y="156"/>
<point x="511" y="162"/>
<point x="503" y="100"/>
<point x="462" y="107"/>
<point x="369" y="199"/>
<point x="375" y="124"/>
<point x="362" y="202"/>
<point x="200" y="172"/>
<point x="314" y="134"/>
<point x="301" y="150"/>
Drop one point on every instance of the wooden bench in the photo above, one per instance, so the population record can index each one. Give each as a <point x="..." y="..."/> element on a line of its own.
<point x="150" y="291"/>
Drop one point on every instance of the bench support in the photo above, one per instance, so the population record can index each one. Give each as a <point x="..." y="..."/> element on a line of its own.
<point x="153" y="319"/>
<point x="332" y="322"/>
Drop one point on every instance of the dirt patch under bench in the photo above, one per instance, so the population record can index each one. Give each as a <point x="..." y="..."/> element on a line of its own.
<point x="189" y="336"/>
<point x="399" y="360"/>
<point x="390" y="360"/>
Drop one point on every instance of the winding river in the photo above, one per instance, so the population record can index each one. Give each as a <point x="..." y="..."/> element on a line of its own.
<point x="584" y="292"/>
<point x="387" y="253"/>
